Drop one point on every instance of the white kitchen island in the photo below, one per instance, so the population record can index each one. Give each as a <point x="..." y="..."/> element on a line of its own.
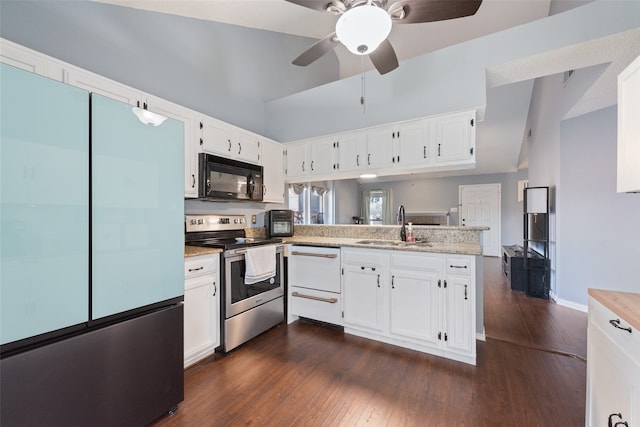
<point x="425" y="296"/>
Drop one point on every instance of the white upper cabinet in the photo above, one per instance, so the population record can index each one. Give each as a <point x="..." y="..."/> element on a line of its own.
<point x="453" y="138"/>
<point x="411" y="144"/>
<point x="352" y="148"/>
<point x="629" y="128"/>
<point x="247" y="146"/>
<point x="296" y="163"/>
<point x="322" y="156"/>
<point x="441" y="142"/>
<point x="273" y="179"/>
<point x="225" y="140"/>
<point x="25" y="59"/>
<point x="379" y="148"/>
<point x="216" y="137"/>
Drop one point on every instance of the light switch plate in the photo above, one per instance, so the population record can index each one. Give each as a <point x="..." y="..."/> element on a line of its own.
<point x="454" y="209"/>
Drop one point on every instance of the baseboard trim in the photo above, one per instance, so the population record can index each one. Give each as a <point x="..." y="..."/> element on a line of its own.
<point x="571" y="304"/>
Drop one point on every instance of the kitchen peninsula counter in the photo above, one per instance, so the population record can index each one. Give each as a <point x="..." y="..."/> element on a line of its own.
<point x="440" y="239"/>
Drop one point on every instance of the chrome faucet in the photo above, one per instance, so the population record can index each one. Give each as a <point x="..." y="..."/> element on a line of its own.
<point x="403" y="232"/>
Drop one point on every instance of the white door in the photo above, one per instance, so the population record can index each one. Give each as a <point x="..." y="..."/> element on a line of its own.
<point x="480" y="207"/>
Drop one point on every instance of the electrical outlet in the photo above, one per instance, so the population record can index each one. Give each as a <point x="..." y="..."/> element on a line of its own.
<point x="454" y="209"/>
<point x="253" y="219"/>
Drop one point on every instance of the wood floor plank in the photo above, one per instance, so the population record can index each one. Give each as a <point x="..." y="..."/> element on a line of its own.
<point x="308" y="374"/>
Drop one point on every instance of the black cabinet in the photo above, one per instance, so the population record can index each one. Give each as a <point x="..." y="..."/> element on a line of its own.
<point x="514" y="270"/>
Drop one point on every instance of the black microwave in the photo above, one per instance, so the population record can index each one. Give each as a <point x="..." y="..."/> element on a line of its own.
<point x="226" y="179"/>
<point x="279" y="223"/>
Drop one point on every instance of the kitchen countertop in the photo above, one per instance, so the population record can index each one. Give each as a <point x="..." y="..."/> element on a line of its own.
<point x="190" y="251"/>
<point x="436" y="247"/>
<point x="624" y="304"/>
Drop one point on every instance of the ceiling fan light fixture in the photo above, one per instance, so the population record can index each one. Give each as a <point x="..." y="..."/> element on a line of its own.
<point x="362" y="29"/>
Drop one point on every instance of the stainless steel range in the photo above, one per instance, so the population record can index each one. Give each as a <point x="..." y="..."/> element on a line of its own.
<point x="247" y="310"/>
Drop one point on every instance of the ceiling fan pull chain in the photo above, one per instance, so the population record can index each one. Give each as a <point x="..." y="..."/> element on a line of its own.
<point x="364" y="107"/>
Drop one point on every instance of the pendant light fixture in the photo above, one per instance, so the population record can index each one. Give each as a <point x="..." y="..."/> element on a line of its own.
<point x="362" y="29"/>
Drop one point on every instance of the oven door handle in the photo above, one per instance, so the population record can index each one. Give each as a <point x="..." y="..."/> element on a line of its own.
<point x="329" y="300"/>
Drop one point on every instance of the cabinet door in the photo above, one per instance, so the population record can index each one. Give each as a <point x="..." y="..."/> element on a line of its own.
<point x="416" y="307"/>
<point x="322" y="156"/>
<point x="629" y="128"/>
<point x="200" y="313"/>
<point x="352" y="152"/>
<point x="458" y="322"/>
<point x="379" y="148"/>
<point x="412" y="144"/>
<point x="190" y="120"/>
<point x="246" y="147"/>
<point x="216" y="137"/>
<point x="296" y="160"/>
<point x="272" y="161"/>
<point x="454" y="137"/>
<point x="612" y="389"/>
<point x="363" y="295"/>
<point x="103" y="86"/>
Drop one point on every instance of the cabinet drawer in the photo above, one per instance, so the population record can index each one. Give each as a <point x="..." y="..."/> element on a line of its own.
<point x="460" y="266"/>
<point x="418" y="262"/>
<point x="364" y="257"/>
<point x="601" y="317"/>
<point x="315" y="268"/>
<point x="317" y="305"/>
<point x="200" y="265"/>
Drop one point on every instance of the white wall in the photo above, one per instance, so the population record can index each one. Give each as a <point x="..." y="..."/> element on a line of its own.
<point x="597" y="229"/>
<point x="593" y="233"/>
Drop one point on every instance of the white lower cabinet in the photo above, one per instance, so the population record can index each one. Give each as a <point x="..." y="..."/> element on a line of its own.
<point x="613" y="369"/>
<point x="363" y="294"/>
<point x="201" y="307"/>
<point x="412" y="300"/>
<point x="416" y="301"/>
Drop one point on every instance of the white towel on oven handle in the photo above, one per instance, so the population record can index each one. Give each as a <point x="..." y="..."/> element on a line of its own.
<point x="260" y="264"/>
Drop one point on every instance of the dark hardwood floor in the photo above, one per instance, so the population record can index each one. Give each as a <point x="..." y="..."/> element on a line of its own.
<point x="530" y="372"/>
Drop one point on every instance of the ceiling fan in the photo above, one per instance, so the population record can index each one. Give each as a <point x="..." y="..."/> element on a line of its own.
<point x="364" y="25"/>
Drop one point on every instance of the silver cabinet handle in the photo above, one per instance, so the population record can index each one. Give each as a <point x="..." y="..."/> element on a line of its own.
<point x="457" y="266"/>
<point x="315" y="255"/>
<point x="329" y="300"/>
<point x="239" y="148"/>
<point x="215" y="289"/>
<point x="303" y="167"/>
<point x="229" y="141"/>
<point x="196" y="269"/>
<point x="193" y="181"/>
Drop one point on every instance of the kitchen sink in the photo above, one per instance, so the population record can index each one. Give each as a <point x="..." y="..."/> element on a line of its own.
<point x="419" y="244"/>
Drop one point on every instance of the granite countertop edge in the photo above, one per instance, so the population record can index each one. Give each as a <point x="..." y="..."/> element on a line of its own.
<point x="191" y="251"/>
<point x="446" y="248"/>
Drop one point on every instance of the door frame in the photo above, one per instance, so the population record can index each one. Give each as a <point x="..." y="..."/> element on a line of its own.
<point x="497" y="249"/>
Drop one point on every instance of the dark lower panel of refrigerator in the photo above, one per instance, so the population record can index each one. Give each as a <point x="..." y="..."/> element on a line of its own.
<point x="127" y="374"/>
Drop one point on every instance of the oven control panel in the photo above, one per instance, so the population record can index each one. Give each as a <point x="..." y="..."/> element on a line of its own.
<point x="214" y="222"/>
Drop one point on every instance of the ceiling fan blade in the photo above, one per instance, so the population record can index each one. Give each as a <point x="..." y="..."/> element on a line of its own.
<point x="318" y="49"/>
<point x="434" y="10"/>
<point x="384" y="57"/>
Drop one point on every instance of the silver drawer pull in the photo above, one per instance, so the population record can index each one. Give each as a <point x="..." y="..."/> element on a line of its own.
<point x="329" y="300"/>
<point x="457" y="266"/>
<point x="315" y="255"/>
<point x="616" y="324"/>
<point x="196" y="269"/>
